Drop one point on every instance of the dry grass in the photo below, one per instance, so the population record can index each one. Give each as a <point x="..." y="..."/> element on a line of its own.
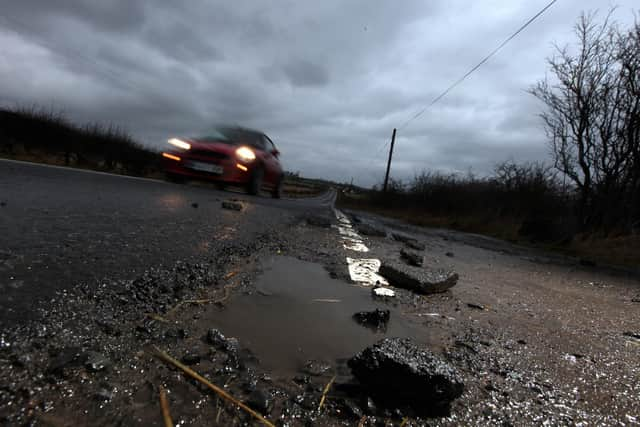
<point x="621" y="251"/>
<point x="618" y="250"/>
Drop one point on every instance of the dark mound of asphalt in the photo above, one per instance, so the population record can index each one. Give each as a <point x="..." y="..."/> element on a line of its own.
<point x="398" y="374"/>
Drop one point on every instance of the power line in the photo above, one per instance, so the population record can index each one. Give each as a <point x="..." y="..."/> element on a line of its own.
<point x="479" y="64"/>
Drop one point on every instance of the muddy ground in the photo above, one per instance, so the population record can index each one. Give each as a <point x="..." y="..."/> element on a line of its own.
<point x="537" y="340"/>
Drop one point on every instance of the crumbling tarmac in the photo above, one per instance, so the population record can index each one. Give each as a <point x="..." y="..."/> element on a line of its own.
<point x="266" y="334"/>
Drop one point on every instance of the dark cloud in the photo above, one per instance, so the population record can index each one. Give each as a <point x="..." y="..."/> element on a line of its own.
<point x="302" y="72"/>
<point x="327" y="80"/>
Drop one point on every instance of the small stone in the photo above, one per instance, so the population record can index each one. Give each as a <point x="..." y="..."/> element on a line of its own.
<point x="216" y="338"/>
<point x="232" y="205"/>
<point x="449" y="254"/>
<point x="96" y="362"/>
<point x="301" y="379"/>
<point x="22" y="360"/>
<point x="108" y="327"/>
<point x="191" y="359"/>
<point x="66" y="358"/>
<point x="412" y="258"/>
<point x="316" y="367"/>
<point x="260" y="400"/>
<point x="476" y="306"/>
<point x="104" y="394"/>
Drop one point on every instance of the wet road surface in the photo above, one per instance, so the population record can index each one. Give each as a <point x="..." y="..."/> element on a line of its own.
<point x="60" y="227"/>
<point x="298" y="313"/>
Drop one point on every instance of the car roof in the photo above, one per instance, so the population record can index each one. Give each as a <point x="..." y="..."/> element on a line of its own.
<point x="240" y="128"/>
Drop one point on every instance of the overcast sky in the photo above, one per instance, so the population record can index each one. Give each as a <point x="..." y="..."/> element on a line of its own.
<point x="327" y="80"/>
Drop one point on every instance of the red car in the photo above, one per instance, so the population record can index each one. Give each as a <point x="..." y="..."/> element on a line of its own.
<point x="226" y="155"/>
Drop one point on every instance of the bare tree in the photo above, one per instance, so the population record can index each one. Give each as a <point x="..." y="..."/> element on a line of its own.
<point x="592" y="105"/>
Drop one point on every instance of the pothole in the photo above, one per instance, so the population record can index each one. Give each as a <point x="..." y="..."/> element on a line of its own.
<point x="298" y="313"/>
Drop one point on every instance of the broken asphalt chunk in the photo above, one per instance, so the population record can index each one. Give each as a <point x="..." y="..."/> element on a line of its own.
<point x="376" y="319"/>
<point x="232" y="205"/>
<point x="370" y="230"/>
<point x="412" y="258"/>
<point x="417" y="279"/>
<point x="416" y="245"/>
<point x="397" y="373"/>
<point x="401" y="237"/>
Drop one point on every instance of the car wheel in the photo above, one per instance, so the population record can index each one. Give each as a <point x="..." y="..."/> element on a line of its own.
<point x="255" y="182"/>
<point x="175" y="178"/>
<point x="277" y="190"/>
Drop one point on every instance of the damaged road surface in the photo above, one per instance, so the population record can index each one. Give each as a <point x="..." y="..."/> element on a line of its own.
<point x="137" y="302"/>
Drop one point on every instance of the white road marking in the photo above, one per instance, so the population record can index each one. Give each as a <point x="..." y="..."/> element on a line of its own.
<point x="361" y="270"/>
<point x="384" y="292"/>
<point x="354" y="246"/>
<point x="365" y="271"/>
<point x="138" y="178"/>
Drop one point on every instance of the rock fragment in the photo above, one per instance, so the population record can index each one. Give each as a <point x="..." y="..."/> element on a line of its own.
<point x="397" y="373"/>
<point x="232" y="205"/>
<point x="416" y="245"/>
<point x="417" y="279"/>
<point x="191" y="358"/>
<point x="412" y="258"/>
<point x="261" y="401"/>
<point x="376" y="319"/>
<point x="316" y="368"/>
<point x="371" y="230"/>
<point x="96" y="362"/>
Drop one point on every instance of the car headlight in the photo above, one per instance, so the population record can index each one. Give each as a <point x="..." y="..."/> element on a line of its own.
<point x="179" y="143"/>
<point x="245" y="154"/>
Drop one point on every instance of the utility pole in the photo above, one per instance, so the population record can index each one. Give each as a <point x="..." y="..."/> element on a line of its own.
<point x="386" y="177"/>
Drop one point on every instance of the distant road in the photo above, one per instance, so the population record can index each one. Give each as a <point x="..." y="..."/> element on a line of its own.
<point x="61" y="226"/>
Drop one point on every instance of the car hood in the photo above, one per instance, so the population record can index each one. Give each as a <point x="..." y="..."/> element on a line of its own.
<point x="219" y="147"/>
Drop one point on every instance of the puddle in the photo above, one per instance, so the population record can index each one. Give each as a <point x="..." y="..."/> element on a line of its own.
<point x="299" y="313"/>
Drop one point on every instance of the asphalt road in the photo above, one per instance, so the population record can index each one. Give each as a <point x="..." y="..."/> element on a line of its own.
<point x="61" y="226"/>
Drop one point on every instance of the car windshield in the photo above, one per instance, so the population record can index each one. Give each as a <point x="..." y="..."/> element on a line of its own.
<point x="230" y="135"/>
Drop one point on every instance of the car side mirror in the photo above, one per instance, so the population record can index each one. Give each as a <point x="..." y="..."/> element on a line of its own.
<point x="275" y="152"/>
